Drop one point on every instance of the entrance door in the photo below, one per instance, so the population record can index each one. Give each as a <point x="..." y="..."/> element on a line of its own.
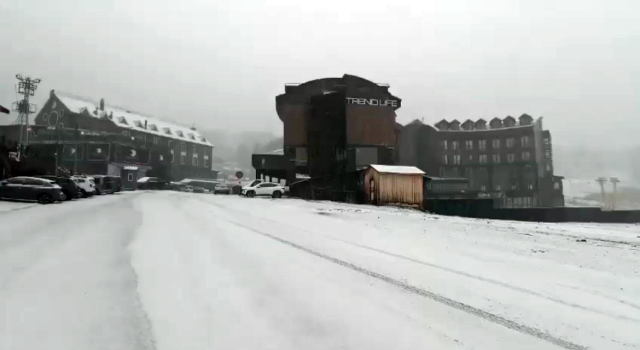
<point x="372" y="191"/>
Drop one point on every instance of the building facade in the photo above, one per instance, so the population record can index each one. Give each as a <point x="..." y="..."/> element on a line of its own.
<point x="508" y="160"/>
<point x="332" y="126"/>
<point x="95" y="138"/>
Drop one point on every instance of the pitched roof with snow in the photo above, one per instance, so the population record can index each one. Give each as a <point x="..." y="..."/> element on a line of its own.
<point x="133" y="120"/>
<point x="397" y="169"/>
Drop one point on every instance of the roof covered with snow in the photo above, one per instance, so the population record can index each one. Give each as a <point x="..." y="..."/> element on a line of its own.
<point x="397" y="169"/>
<point x="133" y="120"/>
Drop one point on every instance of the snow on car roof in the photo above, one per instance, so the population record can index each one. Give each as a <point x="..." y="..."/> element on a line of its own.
<point x="133" y="120"/>
<point x="397" y="169"/>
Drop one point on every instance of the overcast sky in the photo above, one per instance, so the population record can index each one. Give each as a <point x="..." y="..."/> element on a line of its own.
<point x="220" y="64"/>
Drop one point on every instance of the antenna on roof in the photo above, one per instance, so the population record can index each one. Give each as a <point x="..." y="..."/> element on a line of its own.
<point x="193" y="127"/>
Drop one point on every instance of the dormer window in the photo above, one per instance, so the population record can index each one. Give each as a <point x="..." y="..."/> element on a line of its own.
<point x="153" y="127"/>
<point x="191" y="136"/>
<point x="180" y="133"/>
<point x="167" y="131"/>
<point x="138" y="124"/>
<point x="122" y="120"/>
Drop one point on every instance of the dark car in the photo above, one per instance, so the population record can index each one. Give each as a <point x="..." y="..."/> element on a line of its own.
<point x="114" y="183"/>
<point x="30" y="189"/>
<point x="70" y="189"/>
<point x="101" y="184"/>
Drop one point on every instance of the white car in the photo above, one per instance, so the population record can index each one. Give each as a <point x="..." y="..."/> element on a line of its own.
<point x="263" y="189"/>
<point x="87" y="185"/>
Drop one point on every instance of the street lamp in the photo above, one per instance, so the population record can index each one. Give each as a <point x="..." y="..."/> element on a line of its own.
<point x="614" y="181"/>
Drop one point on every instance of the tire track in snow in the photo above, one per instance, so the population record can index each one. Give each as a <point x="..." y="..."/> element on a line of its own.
<point x="447" y="269"/>
<point x="524" y="329"/>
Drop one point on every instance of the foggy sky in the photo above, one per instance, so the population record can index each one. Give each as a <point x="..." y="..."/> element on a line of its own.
<point x="219" y="64"/>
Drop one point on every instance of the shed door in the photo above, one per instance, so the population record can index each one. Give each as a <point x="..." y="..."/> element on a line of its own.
<point x="372" y="190"/>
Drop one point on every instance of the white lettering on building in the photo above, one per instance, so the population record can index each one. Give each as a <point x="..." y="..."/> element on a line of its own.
<point x="372" y="102"/>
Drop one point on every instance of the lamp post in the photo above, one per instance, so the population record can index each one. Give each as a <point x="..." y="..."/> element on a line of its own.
<point x="601" y="181"/>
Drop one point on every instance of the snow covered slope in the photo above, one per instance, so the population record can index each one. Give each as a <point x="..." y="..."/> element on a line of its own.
<point x="170" y="270"/>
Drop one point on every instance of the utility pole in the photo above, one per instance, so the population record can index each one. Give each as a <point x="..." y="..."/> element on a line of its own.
<point x="614" y="181"/>
<point x="601" y="181"/>
<point x="27" y="88"/>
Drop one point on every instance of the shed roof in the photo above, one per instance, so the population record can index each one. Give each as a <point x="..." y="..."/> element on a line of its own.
<point x="397" y="169"/>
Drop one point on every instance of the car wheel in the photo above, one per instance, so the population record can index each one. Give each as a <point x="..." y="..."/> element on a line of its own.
<point x="251" y="194"/>
<point x="277" y="194"/>
<point x="45" y="199"/>
<point x="63" y="196"/>
<point x="67" y="196"/>
<point x="83" y="194"/>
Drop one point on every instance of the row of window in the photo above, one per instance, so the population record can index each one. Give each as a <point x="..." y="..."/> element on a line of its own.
<point x="513" y="187"/>
<point x="483" y="158"/>
<point x="525" y="141"/>
<point x="156" y="140"/>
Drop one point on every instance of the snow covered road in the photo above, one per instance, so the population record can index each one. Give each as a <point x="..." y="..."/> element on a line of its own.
<point x="170" y="270"/>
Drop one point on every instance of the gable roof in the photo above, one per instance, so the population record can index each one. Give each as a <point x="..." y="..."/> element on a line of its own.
<point x="131" y="120"/>
<point x="397" y="169"/>
<point x="509" y="118"/>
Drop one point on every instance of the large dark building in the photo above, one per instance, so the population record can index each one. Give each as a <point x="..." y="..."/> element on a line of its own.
<point x="507" y="160"/>
<point x="332" y="126"/>
<point x="95" y="138"/>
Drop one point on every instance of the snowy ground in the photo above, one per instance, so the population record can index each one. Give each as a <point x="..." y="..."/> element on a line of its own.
<point x="170" y="270"/>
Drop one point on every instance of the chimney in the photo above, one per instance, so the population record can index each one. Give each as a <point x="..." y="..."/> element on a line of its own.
<point x="52" y="93"/>
<point x="102" y="104"/>
<point x="193" y="128"/>
<point x="145" y="124"/>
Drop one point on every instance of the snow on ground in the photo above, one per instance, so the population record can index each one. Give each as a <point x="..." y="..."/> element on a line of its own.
<point x="171" y="270"/>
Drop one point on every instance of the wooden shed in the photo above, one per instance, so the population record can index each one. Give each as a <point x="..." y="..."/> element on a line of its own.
<point x="390" y="184"/>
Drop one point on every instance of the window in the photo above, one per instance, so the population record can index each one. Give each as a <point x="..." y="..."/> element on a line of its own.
<point x="546" y="141"/>
<point x="194" y="160"/>
<point x="153" y="127"/>
<point x="530" y="186"/>
<point x="206" y="162"/>
<point x="556" y="185"/>
<point x="496" y="158"/>
<point x="482" y="158"/>
<point x="483" y="188"/>
<point x="524" y="140"/>
<point x="171" y="144"/>
<point x="444" y="145"/>
<point x="156" y="140"/>
<point x="456" y="159"/>
<point x="526" y="155"/>
<point x="548" y="167"/>
<point x="130" y="177"/>
<point x="125" y="133"/>
<point x="511" y="158"/>
<point x="469" y="144"/>
<point x="194" y="149"/>
<point x="510" y="142"/>
<point x="167" y="131"/>
<point x="471" y="158"/>
<point x="495" y="143"/>
<point x="482" y="145"/>
<point x="143" y="137"/>
<point x="183" y="158"/>
<point x="547" y="154"/>
<point x="514" y="187"/>
<point x="183" y="147"/>
<point x="498" y="187"/>
<point x="445" y="159"/>
<point x="454" y="145"/>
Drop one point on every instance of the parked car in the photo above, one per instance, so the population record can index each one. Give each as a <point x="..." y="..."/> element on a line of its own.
<point x="101" y="184"/>
<point x="70" y="189"/>
<point x="114" y="183"/>
<point x="31" y="189"/>
<point x="186" y="188"/>
<point x="264" y="189"/>
<point x="198" y="190"/>
<point x="222" y="189"/>
<point x="87" y="185"/>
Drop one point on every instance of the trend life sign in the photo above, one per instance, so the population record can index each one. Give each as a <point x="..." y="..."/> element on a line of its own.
<point x="372" y="102"/>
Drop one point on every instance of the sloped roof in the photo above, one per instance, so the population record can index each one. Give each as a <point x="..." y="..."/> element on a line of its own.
<point x="397" y="169"/>
<point x="130" y="120"/>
